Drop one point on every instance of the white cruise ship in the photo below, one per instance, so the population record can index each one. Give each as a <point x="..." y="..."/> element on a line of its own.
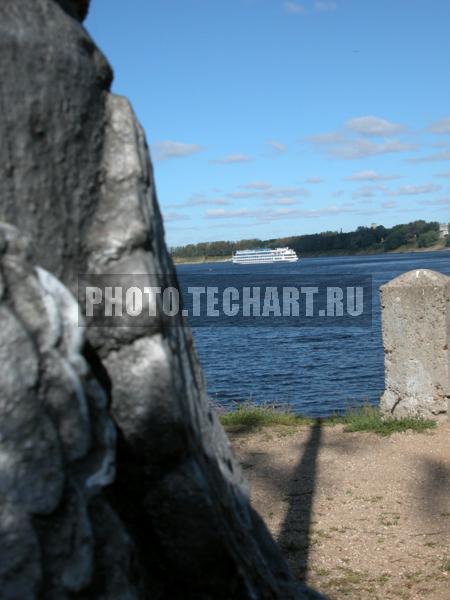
<point x="263" y="256"/>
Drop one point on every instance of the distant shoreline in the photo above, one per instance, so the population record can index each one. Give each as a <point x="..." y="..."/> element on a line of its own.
<point x="402" y="250"/>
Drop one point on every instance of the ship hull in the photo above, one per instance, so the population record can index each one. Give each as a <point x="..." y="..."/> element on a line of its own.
<point x="263" y="261"/>
<point x="264" y="256"/>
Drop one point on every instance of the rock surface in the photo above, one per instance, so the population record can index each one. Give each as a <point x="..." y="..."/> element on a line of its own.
<point x="76" y="178"/>
<point x="416" y="333"/>
<point x="75" y="8"/>
<point x="186" y="490"/>
<point x="54" y="83"/>
<point x="57" y="446"/>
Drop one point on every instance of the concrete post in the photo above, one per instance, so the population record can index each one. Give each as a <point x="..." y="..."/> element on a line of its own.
<point x="416" y="329"/>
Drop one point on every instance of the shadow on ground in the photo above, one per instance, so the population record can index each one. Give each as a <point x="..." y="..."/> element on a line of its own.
<point x="434" y="489"/>
<point x="299" y="486"/>
<point x="295" y="534"/>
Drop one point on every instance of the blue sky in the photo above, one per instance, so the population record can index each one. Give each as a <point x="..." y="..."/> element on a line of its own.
<point x="271" y="118"/>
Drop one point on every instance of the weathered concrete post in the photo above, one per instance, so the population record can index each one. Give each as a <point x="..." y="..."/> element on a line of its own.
<point x="416" y="329"/>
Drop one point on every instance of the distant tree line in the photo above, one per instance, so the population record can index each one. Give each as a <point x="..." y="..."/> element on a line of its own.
<point x="420" y="234"/>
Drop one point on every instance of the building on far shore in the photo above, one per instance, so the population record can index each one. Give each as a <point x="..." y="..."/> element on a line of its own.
<point x="443" y="230"/>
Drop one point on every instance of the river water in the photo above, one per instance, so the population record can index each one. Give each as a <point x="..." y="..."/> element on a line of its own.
<point x="315" y="371"/>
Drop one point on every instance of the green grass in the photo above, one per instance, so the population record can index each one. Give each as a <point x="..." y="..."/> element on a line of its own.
<point x="250" y="416"/>
<point x="366" y="418"/>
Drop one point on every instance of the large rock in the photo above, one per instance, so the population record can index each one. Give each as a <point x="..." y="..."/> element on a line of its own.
<point x="57" y="446"/>
<point x="77" y="179"/>
<point x="53" y="86"/>
<point x="416" y="335"/>
<point x="76" y="8"/>
<point x="184" y="490"/>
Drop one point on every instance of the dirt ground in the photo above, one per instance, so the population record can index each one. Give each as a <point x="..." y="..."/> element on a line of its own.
<point x="356" y="515"/>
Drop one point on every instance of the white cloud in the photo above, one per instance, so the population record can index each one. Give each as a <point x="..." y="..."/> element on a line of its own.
<point x="437" y="157"/>
<point x="279" y="147"/>
<point x="169" y="149"/>
<point x="413" y="190"/>
<point x="369" y="191"/>
<point x="353" y="149"/>
<point x="370" y="176"/>
<point x="389" y="204"/>
<point x="282" y="213"/>
<point x="327" y="210"/>
<point x="436" y="202"/>
<point x="286" y="212"/>
<point x="279" y="192"/>
<point x="314" y="180"/>
<point x="285" y="201"/>
<point x="441" y="127"/>
<point x="223" y="213"/>
<point x="332" y="137"/>
<point x="446" y="175"/>
<point x="322" y="6"/>
<point x="174" y="216"/>
<point x="231" y="159"/>
<point x="319" y="6"/>
<point x="442" y="143"/>
<point x="351" y="142"/>
<point x="264" y="190"/>
<point x="370" y="125"/>
<point x="256" y="185"/>
<point x="294" y="8"/>
<point x="404" y="190"/>
<point x="243" y="195"/>
<point x="200" y="200"/>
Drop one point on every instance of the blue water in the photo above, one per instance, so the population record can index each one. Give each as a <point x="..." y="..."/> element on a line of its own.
<point x="314" y="371"/>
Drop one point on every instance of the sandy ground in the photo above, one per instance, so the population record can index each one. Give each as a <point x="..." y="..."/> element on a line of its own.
<point x="356" y="515"/>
